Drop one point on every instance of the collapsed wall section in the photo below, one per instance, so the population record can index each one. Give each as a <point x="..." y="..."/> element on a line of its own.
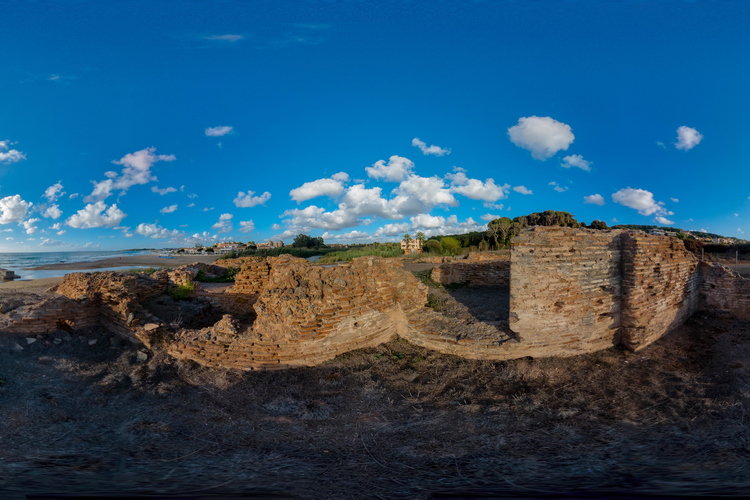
<point x="660" y="287"/>
<point x="565" y="289"/>
<point x="724" y="291"/>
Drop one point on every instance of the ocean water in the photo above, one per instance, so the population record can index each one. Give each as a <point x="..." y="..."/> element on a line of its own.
<point x="18" y="261"/>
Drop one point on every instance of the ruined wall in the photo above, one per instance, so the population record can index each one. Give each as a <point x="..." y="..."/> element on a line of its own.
<point x="474" y="272"/>
<point x="724" y="291"/>
<point x="308" y="314"/>
<point x="252" y="277"/>
<point x="660" y="287"/>
<point x="565" y="289"/>
<point x="27" y="315"/>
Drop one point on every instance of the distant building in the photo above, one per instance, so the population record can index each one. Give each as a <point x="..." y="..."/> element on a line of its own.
<point x="657" y="232"/>
<point x="222" y="248"/>
<point x="414" y="246"/>
<point x="270" y="244"/>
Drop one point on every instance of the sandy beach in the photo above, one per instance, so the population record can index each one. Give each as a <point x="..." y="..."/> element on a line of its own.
<point x="133" y="260"/>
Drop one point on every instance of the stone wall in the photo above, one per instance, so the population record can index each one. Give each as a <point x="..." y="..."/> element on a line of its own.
<point x="660" y="287"/>
<point x="28" y="315"/>
<point x="724" y="291"/>
<point x="252" y="277"/>
<point x="490" y="272"/>
<point x="565" y="289"/>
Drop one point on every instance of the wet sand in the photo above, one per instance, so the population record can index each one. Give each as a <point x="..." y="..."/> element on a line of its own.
<point x="134" y="260"/>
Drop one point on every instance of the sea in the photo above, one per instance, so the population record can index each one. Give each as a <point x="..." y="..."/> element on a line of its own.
<point x="17" y="262"/>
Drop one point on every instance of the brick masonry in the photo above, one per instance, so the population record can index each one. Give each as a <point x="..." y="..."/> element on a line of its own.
<point x="571" y="291"/>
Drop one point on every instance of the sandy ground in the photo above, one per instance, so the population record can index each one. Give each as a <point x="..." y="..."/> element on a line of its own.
<point x="136" y="260"/>
<point x="28" y="286"/>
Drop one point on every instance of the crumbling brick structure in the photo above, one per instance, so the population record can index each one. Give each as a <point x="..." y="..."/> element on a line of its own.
<point x="571" y="291"/>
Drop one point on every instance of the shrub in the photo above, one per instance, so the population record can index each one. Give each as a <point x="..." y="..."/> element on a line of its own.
<point x="451" y="245"/>
<point x="229" y="277"/>
<point x="433" y="246"/>
<point x="181" y="292"/>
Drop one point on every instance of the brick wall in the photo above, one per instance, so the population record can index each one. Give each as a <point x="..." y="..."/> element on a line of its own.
<point x="724" y="291"/>
<point x="660" y="287"/>
<point x="565" y="289"/>
<point x="252" y="277"/>
<point x="494" y="272"/>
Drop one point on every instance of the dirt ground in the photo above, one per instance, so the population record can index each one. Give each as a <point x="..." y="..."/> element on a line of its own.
<point x="395" y="421"/>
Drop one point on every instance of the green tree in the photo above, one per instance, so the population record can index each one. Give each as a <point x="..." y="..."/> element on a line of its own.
<point x="598" y="224"/>
<point x="407" y="239"/>
<point x="433" y="246"/>
<point x="499" y="229"/>
<point x="420" y="238"/>
<point x="451" y="245"/>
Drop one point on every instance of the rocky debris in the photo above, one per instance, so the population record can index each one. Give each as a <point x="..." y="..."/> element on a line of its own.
<point x="150" y="327"/>
<point x="30" y="340"/>
<point x="141" y="357"/>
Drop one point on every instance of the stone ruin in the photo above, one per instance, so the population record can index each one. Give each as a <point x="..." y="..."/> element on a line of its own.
<point x="564" y="292"/>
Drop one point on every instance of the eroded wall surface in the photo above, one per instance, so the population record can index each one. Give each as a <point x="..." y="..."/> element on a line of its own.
<point x="660" y="287"/>
<point x="724" y="291"/>
<point x="474" y="272"/>
<point x="565" y="289"/>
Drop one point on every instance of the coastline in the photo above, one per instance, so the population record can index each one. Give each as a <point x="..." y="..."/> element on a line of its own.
<point x="152" y="260"/>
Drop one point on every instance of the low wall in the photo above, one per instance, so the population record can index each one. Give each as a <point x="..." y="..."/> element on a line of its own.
<point x="724" y="291"/>
<point x="660" y="287"/>
<point x="495" y="272"/>
<point x="50" y="315"/>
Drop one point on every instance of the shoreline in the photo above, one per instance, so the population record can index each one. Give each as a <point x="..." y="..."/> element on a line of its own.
<point x="152" y="260"/>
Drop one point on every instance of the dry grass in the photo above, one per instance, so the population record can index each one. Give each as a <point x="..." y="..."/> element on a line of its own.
<point x="393" y="421"/>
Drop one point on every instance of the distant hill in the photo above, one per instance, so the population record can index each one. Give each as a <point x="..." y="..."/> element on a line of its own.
<point x="647" y="228"/>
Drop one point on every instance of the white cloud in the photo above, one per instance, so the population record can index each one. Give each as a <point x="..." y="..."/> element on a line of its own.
<point x="495" y="206"/>
<point x="225" y="223"/>
<point x="53" y="192"/>
<point x="191" y="205"/>
<point x="558" y="187"/>
<point x="675" y="200"/>
<point x="543" y="136"/>
<point x="13" y="209"/>
<point x="29" y="225"/>
<point x="475" y="189"/>
<point x="9" y="238"/>
<point x="246" y="226"/>
<point x="47" y="242"/>
<point x="218" y="131"/>
<point x="136" y="171"/>
<point x="522" y="190"/>
<point x="276" y="227"/>
<point x="641" y="200"/>
<point x="431" y="150"/>
<point x="687" y="138"/>
<point x="490" y="217"/>
<point x="244" y="200"/>
<point x="61" y="232"/>
<point x="154" y="231"/>
<point x="736" y="215"/>
<point x="192" y="195"/>
<point x="53" y="211"/>
<point x="169" y="209"/>
<point x="74" y="195"/>
<point x="8" y="155"/>
<point x="96" y="215"/>
<point x="661" y="144"/>
<point x="420" y="194"/>
<point x="397" y="169"/>
<point x="739" y="230"/>
<point x="576" y="161"/>
<point x="162" y="192"/>
<point x="663" y="220"/>
<point x="594" y="199"/>
<point x="55" y="226"/>
<point x="225" y="38"/>
<point x="206" y="209"/>
<point x="332" y="188"/>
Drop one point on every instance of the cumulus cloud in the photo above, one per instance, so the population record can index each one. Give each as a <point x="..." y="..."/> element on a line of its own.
<point x="74" y="195"/>
<point x="155" y="231"/>
<point x="332" y="187"/>
<point x="429" y="150"/>
<point x="246" y="226"/>
<point x="162" y="192"/>
<point x="687" y="138"/>
<point x="13" y="209"/>
<point x="541" y="135"/>
<point x="53" y="211"/>
<point x="430" y="225"/>
<point x="53" y="192"/>
<point x="47" y="242"/>
<point x="396" y="170"/>
<point x="169" y="209"/>
<point x="475" y="189"/>
<point x="641" y="200"/>
<point x="663" y="220"/>
<point x="558" y="187"/>
<point x="218" y="131"/>
<point x="225" y="38"/>
<point x="522" y="190"/>
<point x="225" y="223"/>
<point x="96" y="215"/>
<point x="576" y="161"/>
<point x="490" y="217"/>
<point x="136" y="171"/>
<point x="29" y="225"/>
<point x="246" y="200"/>
<point x="9" y="238"/>
<point x="8" y="155"/>
<point x="594" y="199"/>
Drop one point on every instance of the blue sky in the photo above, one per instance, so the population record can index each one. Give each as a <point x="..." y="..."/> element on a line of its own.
<point x="168" y="124"/>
